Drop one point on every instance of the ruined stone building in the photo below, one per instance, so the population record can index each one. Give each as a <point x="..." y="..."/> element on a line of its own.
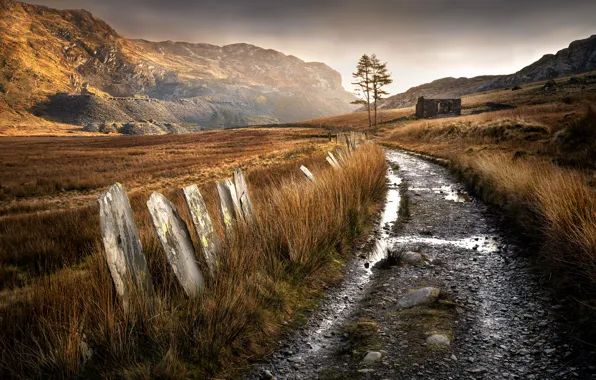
<point x="426" y="108"/>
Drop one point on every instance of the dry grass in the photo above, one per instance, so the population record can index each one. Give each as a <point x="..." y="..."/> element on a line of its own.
<point x="49" y="186"/>
<point x="44" y="166"/>
<point x="557" y="202"/>
<point x="358" y="121"/>
<point x="268" y="274"/>
<point x="537" y="163"/>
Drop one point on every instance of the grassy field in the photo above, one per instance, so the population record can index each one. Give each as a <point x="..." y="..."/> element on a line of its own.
<point x="57" y="299"/>
<point x="49" y="186"/>
<point x="537" y="162"/>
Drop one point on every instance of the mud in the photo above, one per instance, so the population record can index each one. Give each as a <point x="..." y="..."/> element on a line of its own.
<point x="498" y="314"/>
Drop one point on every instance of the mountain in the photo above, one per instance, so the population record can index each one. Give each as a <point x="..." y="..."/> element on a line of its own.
<point x="578" y="58"/>
<point x="439" y="89"/>
<point x="68" y="66"/>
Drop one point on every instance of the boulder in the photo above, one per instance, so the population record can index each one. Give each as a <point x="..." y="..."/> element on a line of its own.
<point x="92" y="127"/>
<point x="550" y="84"/>
<point x="438" y="340"/>
<point x="412" y="258"/>
<point x="371" y="357"/>
<point x="418" y="297"/>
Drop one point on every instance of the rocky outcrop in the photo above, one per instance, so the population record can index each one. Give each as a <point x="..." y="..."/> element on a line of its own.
<point x="579" y="57"/>
<point x="71" y="52"/>
<point x="143" y="127"/>
<point x="445" y="88"/>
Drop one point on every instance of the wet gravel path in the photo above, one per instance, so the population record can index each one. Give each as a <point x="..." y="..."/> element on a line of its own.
<point x="501" y="321"/>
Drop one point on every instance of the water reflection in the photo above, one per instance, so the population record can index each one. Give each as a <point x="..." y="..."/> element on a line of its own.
<point x="449" y="192"/>
<point x="484" y="244"/>
<point x="353" y="291"/>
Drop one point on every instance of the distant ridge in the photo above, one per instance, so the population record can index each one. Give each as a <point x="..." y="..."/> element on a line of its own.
<point x="578" y="58"/>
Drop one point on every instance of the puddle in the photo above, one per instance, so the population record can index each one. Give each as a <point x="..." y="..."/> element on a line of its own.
<point x="342" y="301"/>
<point x="482" y="244"/>
<point x="502" y="310"/>
<point x="449" y="193"/>
<point x="350" y="294"/>
<point x="388" y="219"/>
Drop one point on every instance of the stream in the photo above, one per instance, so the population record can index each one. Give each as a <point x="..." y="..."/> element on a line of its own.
<point x="502" y="321"/>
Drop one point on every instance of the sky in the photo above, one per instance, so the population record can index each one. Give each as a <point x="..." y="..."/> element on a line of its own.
<point x="421" y="40"/>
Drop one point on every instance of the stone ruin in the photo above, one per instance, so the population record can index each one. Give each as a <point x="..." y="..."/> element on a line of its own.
<point x="427" y="108"/>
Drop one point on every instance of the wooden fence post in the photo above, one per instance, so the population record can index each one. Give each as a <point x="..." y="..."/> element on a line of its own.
<point x="243" y="195"/>
<point x="307" y="173"/>
<point x="210" y="244"/>
<point x="122" y="244"/>
<point x="175" y="239"/>
<point x="226" y="208"/>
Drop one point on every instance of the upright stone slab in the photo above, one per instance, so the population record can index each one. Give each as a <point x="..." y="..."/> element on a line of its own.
<point x="348" y="145"/>
<point x="307" y="173"/>
<point x="209" y="240"/>
<point x="122" y="244"/>
<point x="175" y="239"/>
<point x="235" y="199"/>
<point x="332" y="157"/>
<point x="243" y="195"/>
<point x="226" y="208"/>
<point x="341" y="155"/>
<point x="332" y="163"/>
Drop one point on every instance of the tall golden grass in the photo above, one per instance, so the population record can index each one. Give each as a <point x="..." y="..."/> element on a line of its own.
<point x="49" y="186"/>
<point x="558" y="203"/>
<point x="536" y="163"/>
<point x="72" y="324"/>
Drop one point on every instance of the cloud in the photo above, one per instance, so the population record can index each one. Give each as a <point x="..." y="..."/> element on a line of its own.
<point x="421" y="40"/>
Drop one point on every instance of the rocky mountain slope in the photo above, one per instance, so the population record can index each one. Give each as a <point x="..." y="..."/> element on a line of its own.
<point x="68" y="66"/>
<point x="438" y="89"/>
<point x="578" y="58"/>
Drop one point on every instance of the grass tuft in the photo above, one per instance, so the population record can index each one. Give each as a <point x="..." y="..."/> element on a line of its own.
<point x="71" y="323"/>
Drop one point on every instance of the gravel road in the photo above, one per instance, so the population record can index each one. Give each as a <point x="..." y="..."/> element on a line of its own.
<point x="494" y="318"/>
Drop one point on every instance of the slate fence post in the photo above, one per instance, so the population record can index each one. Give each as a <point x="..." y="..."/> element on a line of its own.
<point x="122" y="244"/>
<point x="123" y="250"/>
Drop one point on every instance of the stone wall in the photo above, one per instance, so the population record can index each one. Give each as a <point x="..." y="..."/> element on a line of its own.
<point x="427" y="108"/>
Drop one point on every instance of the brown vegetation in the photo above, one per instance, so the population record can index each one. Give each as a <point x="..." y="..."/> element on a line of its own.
<point x="536" y="161"/>
<point x="49" y="186"/>
<point x="71" y="323"/>
<point x="358" y="121"/>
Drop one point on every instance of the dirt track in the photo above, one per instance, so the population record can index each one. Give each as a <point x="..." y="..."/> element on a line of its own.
<point x="501" y="321"/>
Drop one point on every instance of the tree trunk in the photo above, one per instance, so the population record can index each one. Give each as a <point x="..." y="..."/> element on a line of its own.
<point x="375" y="113"/>
<point x="368" y="100"/>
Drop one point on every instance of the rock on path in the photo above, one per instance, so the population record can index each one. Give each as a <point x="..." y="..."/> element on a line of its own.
<point x="497" y="316"/>
<point x="419" y="297"/>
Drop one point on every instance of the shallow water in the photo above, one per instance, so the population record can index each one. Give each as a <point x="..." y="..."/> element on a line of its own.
<point x="504" y="327"/>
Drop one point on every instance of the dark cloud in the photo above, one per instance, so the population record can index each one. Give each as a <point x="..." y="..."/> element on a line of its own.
<point x="421" y="39"/>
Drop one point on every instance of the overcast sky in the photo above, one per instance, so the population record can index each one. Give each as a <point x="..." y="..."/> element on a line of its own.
<point x="421" y="40"/>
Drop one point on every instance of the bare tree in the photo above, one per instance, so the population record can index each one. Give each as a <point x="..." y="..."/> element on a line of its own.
<point x="380" y="78"/>
<point x="364" y="76"/>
